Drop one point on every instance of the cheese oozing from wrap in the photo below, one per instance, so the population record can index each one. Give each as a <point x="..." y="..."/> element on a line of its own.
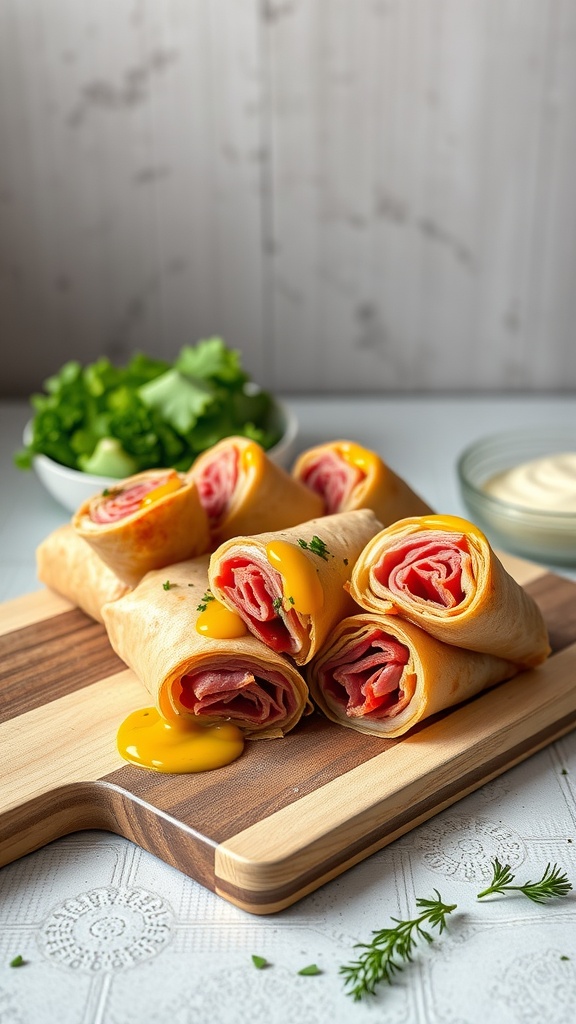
<point x="381" y="675"/>
<point x="347" y="476"/>
<point x="244" y="492"/>
<point x="289" y="586"/>
<point x="67" y="564"/>
<point x="192" y="676"/>
<point x="145" y="522"/>
<point x="441" y="573"/>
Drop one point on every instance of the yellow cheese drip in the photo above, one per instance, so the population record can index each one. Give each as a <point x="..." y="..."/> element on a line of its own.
<point x="174" y="483"/>
<point x="252" y="456"/>
<point x="179" y="746"/>
<point x="357" y="456"/>
<point x="455" y="524"/>
<point x="300" y="582"/>
<point x="219" y="622"/>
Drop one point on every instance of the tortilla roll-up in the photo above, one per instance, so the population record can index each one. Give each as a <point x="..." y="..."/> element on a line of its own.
<point x="289" y="586"/>
<point x="441" y="573"/>
<point x="67" y="564"/>
<point x="347" y="477"/>
<point x="381" y="675"/>
<point x="148" y="521"/>
<point x="244" y="492"/>
<point x="154" y="630"/>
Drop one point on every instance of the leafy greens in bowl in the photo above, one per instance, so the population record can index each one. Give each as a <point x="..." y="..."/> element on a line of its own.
<point x="113" y="421"/>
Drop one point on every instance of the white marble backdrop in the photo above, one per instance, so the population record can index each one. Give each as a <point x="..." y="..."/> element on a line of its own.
<point x="361" y="195"/>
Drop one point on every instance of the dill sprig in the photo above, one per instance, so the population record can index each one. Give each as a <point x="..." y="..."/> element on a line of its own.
<point x="554" y="883"/>
<point x="380" y="959"/>
<point x="204" y="601"/>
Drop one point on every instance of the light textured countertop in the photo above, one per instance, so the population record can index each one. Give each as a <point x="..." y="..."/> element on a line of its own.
<point x="111" y="934"/>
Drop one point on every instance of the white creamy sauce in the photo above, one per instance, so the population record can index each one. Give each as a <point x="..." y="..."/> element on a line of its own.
<point x="547" y="484"/>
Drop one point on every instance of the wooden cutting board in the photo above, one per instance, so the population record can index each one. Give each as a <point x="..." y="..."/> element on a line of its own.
<point x="287" y="816"/>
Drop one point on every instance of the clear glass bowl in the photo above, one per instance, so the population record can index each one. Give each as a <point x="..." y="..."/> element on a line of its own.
<point x="546" y="536"/>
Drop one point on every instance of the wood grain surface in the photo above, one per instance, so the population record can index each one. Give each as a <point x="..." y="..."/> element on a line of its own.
<point x="288" y="815"/>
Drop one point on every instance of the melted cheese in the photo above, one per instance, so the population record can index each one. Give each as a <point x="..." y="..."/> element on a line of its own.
<point x="252" y="456"/>
<point x="219" y="622"/>
<point x="354" y="454"/>
<point x="301" y="585"/>
<point x="181" y="745"/>
<point x="174" y="483"/>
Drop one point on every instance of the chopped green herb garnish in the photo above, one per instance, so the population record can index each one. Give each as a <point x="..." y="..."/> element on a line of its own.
<point x="553" y="884"/>
<point x="311" y="969"/>
<point x="564" y="957"/>
<point x="291" y="599"/>
<point x="316" y="546"/>
<point x="277" y="604"/>
<point x="259" y="961"/>
<point x="205" y="599"/>
<point x="167" y="585"/>
<point x="18" y="961"/>
<point x="106" y="492"/>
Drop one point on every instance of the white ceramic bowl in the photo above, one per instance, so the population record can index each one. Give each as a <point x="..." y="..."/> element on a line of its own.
<point x="71" y="487"/>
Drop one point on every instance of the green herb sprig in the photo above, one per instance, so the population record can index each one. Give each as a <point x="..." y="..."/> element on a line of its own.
<point x="204" y="601"/>
<point x="316" y="546"/>
<point x="553" y="884"/>
<point x="381" y="958"/>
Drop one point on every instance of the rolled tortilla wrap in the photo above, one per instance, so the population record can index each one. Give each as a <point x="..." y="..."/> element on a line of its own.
<point x="153" y="630"/>
<point x="381" y="675"/>
<point x="441" y="573"/>
<point x="347" y="477"/>
<point x="67" y="564"/>
<point x="244" y="492"/>
<point x="148" y="521"/>
<point x="289" y="586"/>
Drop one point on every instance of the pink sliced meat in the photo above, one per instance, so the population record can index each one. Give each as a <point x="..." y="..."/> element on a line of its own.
<point x="238" y="694"/>
<point x="366" y="676"/>
<point x="430" y="566"/>
<point x="333" y="478"/>
<point x="254" y="589"/>
<point x="124" y="501"/>
<point x="216" y="481"/>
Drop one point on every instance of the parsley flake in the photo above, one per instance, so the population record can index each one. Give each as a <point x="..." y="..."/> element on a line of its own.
<point x="18" y="961"/>
<point x="166" y="585"/>
<point x="316" y="546"/>
<point x="204" y="602"/>
<point x="259" y="961"/>
<point x="310" y="970"/>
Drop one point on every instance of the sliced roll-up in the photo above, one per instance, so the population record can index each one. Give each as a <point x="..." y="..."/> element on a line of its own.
<point x="289" y="586"/>
<point x="147" y="521"/>
<point x="234" y="678"/>
<point x="381" y="675"/>
<point x="441" y="573"/>
<point x="67" y="564"/>
<point x="244" y="492"/>
<point x="347" y="476"/>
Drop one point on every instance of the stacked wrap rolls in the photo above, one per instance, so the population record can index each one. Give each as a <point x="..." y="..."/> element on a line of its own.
<point x="441" y="573"/>
<point x="442" y="621"/>
<point x="153" y="630"/>
<point x="289" y="586"/>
